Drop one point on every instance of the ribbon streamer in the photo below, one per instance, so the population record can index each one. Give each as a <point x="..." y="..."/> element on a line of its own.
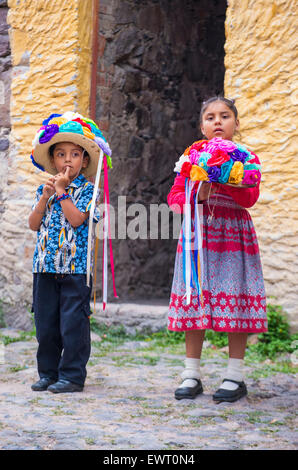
<point x="192" y="256"/>
<point x="105" y="258"/>
<point x="187" y="265"/>
<point x="199" y="242"/>
<point x="106" y="232"/>
<point x="91" y="215"/>
<point x="107" y="197"/>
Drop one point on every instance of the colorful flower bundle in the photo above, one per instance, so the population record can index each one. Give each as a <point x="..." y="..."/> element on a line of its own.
<point x="221" y="161"/>
<point x="216" y="160"/>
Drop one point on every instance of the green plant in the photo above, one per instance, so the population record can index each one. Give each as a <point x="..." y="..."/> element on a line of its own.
<point x="277" y="339"/>
<point x="109" y="334"/>
<point x="118" y="335"/>
<point x="166" y="338"/>
<point x="217" y="338"/>
<point x="2" y="321"/>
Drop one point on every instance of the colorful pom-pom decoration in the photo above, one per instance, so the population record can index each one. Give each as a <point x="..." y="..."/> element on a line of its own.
<point x="75" y="123"/>
<point x="219" y="161"/>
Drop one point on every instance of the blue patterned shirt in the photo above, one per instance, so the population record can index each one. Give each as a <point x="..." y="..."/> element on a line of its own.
<point x="61" y="248"/>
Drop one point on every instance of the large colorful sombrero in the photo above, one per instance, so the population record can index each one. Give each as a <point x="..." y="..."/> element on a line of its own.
<point x="69" y="127"/>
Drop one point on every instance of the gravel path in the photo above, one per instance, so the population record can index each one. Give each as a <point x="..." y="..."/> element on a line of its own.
<point x="128" y="403"/>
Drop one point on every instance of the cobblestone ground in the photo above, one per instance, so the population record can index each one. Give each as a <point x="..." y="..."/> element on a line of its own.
<point x="128" y="403"/>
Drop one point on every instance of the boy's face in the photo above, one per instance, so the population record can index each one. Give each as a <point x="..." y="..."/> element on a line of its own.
<point x="67" y="154"/>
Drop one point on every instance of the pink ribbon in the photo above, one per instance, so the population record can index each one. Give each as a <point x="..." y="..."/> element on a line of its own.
<point x="107" y="200"/>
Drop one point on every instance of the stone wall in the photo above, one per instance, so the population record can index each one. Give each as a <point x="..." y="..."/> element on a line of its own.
<point x="261" y="66"/>
<point x="51" y="72"/>
<point x="5" y="83"/>
<point x="157" y="61"/>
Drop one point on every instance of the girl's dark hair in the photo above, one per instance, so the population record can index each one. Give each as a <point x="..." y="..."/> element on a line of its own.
<point x="230" y="104"/>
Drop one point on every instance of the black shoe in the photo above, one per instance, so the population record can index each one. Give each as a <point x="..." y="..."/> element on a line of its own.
<point x="230" y="395"/>
<point x="189" y="392"/>
<point x="42" y="384"/>
<point x="64" y="386"/>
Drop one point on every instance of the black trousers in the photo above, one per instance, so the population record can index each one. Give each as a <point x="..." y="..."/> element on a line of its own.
<point x="61" y="305"/>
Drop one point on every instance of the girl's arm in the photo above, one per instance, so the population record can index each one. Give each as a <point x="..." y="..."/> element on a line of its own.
<point x="245" y="197"/>
<point x="176" y="197"/>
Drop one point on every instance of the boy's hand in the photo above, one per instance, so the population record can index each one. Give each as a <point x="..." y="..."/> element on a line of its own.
<point x="62" y="180"/>
<point x="49" y="188"/>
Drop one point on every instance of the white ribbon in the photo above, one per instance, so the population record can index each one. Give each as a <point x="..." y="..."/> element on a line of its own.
<point x="105" y="256"/>
<point x="199" y="213"/>
<point x="91" y="215"/>
<point x="187" y="237"/>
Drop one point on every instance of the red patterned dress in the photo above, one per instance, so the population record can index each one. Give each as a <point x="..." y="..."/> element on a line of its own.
<point x="233" y="285"/>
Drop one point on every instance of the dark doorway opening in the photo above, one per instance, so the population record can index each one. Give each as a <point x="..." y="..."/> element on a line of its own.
<point x="157" y="62"/>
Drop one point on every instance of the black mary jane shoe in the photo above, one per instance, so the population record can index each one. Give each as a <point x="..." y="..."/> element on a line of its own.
<point x="64" y="386"/>
<point x="42" y="384"/>
<point x="230" y="395"/>
<point x="189" y="392"/>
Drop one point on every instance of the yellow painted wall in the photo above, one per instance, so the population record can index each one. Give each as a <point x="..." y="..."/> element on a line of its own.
<point x="51" y="51"/>
<point x="261" y="64"/>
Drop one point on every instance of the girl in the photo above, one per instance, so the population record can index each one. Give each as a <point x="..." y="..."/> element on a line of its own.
<point x="233" y="286"/>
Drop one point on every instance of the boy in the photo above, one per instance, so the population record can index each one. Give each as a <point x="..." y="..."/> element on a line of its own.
<point x="68" y="147"/>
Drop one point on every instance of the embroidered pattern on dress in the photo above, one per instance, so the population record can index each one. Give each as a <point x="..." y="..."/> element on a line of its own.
<point x="233" y="286"/>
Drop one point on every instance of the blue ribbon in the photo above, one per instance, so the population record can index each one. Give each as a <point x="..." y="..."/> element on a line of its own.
<point x="194" y="279"/>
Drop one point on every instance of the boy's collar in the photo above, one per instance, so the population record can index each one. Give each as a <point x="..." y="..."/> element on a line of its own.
<point x="78" y="181"/>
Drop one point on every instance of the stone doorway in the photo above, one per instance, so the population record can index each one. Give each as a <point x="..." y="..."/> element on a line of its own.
<point x="157" y="62"/>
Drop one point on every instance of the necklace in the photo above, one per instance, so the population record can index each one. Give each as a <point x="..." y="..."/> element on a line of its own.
<point x="211" y="212"/>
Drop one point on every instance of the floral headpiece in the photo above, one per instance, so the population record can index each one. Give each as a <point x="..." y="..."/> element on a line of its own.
<point x="221" y="161"/>
<point x="69" y="127"/>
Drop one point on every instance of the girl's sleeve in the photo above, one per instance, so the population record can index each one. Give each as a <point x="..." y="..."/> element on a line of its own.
<point x="245" y="197"/>
<point x="176" y="196"/>
<point x="85" y="200"/>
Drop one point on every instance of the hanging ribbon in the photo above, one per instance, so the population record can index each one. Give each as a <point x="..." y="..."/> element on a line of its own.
<point x="186" y="241"/>
<point x="106" y="232"/>
<point x="107" y="236"/>
<point x="91" y="215"/>
<point x="107" y="195"/>
<point x="192" y="258"/>
<point x="105" y="256"/>
<point x="199" y="243"/>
